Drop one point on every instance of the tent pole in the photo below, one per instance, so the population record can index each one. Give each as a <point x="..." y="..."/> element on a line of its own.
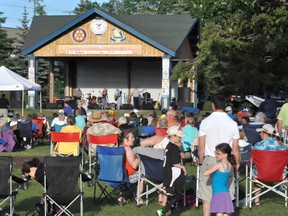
<point x="22" y="102"/>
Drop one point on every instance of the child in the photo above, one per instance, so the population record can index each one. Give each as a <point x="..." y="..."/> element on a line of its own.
<point x="221" y="202"/>
<point x="174" y="171"/>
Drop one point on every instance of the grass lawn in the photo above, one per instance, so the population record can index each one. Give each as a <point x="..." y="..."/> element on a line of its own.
<point x="270" y="205"/>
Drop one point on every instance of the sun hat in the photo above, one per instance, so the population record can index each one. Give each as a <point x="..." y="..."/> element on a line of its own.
<point x="175" y="130"/>
<point x="96" y="116"/>
<point x="267" y="128"/>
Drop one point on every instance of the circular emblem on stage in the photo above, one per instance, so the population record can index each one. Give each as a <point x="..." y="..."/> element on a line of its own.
<point x="79" y="35"/>
<point x="98" y="26"/>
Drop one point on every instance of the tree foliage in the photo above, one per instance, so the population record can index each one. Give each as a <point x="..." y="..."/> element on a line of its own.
<point x="246" y="53"/>
<point x="84" y="6"/>
<point x="6" y="49"/>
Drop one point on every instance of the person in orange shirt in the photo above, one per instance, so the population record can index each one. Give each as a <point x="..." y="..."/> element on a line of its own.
<point x="171" y="117"/>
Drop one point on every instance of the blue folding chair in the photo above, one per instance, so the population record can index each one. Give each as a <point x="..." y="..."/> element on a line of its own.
<point x="58" y="128"/>
<point x="148" y="130"/>
<point x="252" y="135"/>
<point x="112" y="172"/>
<point x="152" y="175"/>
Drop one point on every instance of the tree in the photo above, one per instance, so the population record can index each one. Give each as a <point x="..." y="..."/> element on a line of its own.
<point x="18" y="62"/>
<point x="245" y="49"/>
<point x="84" y="6"/>
<point x="113" y="6"/>
<point x="6" y="49"/>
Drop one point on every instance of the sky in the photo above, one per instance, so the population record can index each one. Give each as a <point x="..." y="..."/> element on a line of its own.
<point x="13" y="9"/>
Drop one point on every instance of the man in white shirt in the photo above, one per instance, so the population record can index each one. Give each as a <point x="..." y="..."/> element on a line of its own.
<point x="136" y="94"/>
<point x="215" y="129"/>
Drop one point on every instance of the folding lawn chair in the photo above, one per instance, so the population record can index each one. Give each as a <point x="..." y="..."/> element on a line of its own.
<point x="62" y="184"/>
<point x="69" y="144"/>
<point x="270" y="166"/>
<point x="57" y="128"/>
<point x="245" y="153"/>
<point x="146" y="131"/>
<point x="152" y="175"/>
<point x="112" y="172"/>
<point x="99" y="140"/>
<point x="252" y="135"/>
<point x="7" y="193"/>
<point x="25" y="133"/>
<point x="39" y="134"/>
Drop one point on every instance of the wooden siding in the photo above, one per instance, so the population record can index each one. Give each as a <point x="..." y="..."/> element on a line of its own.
<point x="104" y="45"/>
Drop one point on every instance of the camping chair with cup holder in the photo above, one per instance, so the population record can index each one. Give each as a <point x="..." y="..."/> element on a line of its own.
<point x="7" y="192"/>
<point x="62" y="184"/>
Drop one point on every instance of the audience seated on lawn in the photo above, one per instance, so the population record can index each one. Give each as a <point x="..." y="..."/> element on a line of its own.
<point x="59" y="121"/>
<point x="191" y="134"/>
<point x="80" y="121"/>
<point x="102" y="129"/>
<point x="7" y="138"/>
<point x="269" y="142"/>
<point x="156" y="141"/>
<point x="162" y="129"/>
<point x="126" y="140"/>
<point x="68" y="148"/>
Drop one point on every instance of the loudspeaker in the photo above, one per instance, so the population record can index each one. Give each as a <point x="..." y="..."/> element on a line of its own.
<point x="15" y="99"/>
<point x="184" y="104"/>
<point x="112" y="106"/>
<point x="146" y="97"/>
<point x="126" y="106"/>
<point x="147" y="106"/>
<point x="184" y="94"/>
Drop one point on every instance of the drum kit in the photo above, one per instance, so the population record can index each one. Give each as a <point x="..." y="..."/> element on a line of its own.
<point x="96" y="102"/>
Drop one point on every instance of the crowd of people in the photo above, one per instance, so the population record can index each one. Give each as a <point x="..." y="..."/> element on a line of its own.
<point x="218" y="137"/>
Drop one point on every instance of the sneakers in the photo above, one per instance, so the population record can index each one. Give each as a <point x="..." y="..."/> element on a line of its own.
<point x="160" y="212"/>
<point x="28" y="146"/>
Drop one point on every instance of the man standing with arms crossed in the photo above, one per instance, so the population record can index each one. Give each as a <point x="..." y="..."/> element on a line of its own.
<point x="215" y="129"/>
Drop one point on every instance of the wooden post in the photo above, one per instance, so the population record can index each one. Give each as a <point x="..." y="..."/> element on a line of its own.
<point x="51" y="81"/>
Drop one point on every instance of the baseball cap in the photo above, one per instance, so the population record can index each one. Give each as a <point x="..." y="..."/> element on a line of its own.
<point x="136" y="110"/>
<point x="228" y="108"/>
<point x="126" y="115"/>
<point x="175" y="130"/>
<point x="267" y="128"/>
<point x="61" y="111"/>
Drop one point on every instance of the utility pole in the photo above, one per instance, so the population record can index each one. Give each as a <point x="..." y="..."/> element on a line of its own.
<point x="35" y="5"/>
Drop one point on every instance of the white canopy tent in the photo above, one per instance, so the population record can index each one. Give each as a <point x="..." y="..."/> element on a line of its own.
<point x="11" y="81"/>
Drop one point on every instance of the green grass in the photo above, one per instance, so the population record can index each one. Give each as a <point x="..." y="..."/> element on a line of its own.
<point x="271" y="204"/>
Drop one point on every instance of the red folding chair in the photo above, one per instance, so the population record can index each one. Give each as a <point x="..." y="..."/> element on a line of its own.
<point x="100" y="140"/>
<point x="39" y="133"/>
<point x="64" y="138"/>
<point x="270" y="167"/>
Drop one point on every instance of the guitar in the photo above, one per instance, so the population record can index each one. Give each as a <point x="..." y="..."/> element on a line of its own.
<point x="156" y="106"/>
